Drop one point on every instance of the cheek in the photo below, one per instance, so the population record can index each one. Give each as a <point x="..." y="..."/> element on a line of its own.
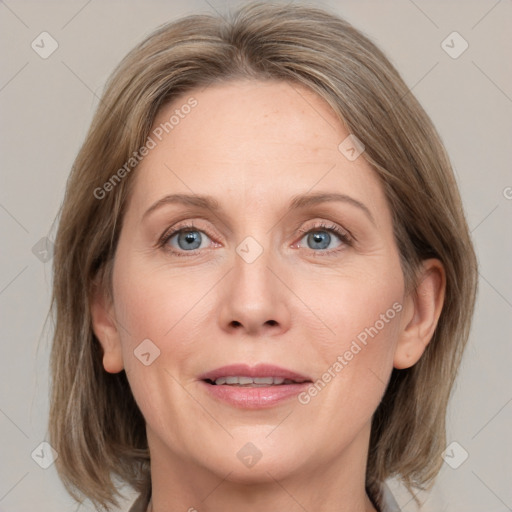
<point x="162" y="305"/>
<point x="154" y="312"/>
<point x="362" y="312"/>
<point x="156" y="303"/>
<point x="356" y="301"/>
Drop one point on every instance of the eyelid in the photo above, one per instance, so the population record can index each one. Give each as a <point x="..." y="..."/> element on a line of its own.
<point x="177" y="228"/>
<point x="329" y="226"/>
<point x="346" y="238"/>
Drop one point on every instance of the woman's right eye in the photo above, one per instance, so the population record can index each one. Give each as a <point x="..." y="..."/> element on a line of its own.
<point x="185" y="239"/>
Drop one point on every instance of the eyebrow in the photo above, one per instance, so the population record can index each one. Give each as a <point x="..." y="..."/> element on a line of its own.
<point x="298" y="202"/>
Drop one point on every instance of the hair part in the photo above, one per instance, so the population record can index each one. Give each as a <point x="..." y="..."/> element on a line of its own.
<point x="95" y="424"/>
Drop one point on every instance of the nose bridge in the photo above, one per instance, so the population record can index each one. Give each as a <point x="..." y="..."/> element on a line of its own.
<point x="256" y="249"/>
<point x="251" y="277"/>
<point x="252" y="299"/>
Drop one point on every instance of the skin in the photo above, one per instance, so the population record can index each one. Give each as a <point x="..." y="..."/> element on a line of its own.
<point x="253" y="146"/>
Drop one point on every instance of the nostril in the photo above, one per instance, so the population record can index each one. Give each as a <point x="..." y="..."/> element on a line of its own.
<point x="271" y="322"/>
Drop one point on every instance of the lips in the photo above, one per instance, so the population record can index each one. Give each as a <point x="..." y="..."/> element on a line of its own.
<point x="261" y="374"/>
<point x="253" y="387"/>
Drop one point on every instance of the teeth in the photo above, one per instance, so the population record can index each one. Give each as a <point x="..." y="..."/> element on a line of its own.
<point x="252" y="381"/>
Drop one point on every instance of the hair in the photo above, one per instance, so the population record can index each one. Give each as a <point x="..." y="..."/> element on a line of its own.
<point x="95" y="424"/>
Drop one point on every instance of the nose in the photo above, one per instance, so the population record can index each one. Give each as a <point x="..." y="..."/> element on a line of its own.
<point x="253" y="299"/>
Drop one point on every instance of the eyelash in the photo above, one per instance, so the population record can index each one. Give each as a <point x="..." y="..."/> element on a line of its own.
<point x="343" y="235"/>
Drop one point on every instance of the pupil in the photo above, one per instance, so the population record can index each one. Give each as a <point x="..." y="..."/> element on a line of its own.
<point x="192" y="239"/>
<point x="321" y="237"/>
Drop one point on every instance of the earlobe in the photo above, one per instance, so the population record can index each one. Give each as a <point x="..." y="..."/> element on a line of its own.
<point x="421" y="314"/>
<point x="105" y="329"/>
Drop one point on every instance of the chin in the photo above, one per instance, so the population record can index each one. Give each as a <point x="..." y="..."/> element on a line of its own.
<point x="247" y="464"/>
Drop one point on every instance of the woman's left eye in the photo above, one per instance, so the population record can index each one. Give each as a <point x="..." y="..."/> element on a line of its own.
<point x="321" y="237"/>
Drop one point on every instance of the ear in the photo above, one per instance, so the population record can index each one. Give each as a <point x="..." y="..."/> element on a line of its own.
<point x="422" y="311"/>
<point x="105" y="328"/>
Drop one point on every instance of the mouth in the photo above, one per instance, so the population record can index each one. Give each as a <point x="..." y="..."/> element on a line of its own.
<point x="257" y="387"/>
<point x="261" y="375"/>
<point x="252" y="382"/>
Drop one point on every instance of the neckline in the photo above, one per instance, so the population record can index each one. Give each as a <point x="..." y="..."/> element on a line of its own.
<point x="388" y="502"/>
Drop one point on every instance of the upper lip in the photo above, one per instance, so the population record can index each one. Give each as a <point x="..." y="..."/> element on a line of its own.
<point x="260" y="370"/>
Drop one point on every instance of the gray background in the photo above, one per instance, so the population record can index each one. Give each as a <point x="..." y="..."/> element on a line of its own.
<point x="46" y="107"/>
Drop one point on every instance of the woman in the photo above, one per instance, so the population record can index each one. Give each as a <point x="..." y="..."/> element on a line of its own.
<point x="263" y="277"/>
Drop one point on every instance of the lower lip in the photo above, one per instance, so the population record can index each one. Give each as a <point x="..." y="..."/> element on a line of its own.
<point x="257" y="397"/>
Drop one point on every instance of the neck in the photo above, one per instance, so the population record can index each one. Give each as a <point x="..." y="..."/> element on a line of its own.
<point x="334" y="483"/>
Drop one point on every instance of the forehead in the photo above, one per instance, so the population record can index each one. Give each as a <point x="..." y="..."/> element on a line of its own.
<point x="255" y="139"/>
<point x="252" y="119"/>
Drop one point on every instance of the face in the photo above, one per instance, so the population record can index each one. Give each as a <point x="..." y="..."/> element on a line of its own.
<point x="252" y="239"/>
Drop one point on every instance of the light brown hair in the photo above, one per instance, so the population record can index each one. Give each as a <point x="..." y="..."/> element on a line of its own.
<point x="95" y="424"/>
